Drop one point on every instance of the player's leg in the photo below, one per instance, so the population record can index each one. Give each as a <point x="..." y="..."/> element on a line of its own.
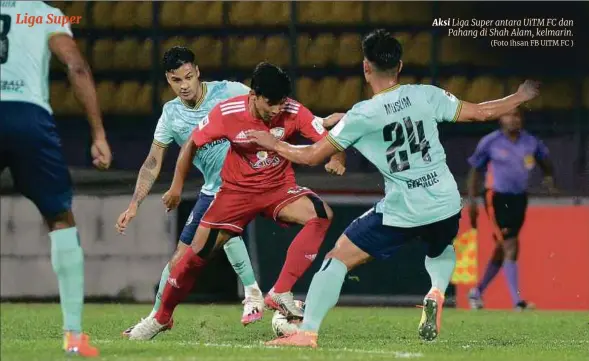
<point x="307" y="209"/>
<point x="440" y="261"/>
<point x="41" y="174"/>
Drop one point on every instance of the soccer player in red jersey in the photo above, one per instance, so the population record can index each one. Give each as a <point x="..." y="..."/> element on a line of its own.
<point x="255" y="181"/>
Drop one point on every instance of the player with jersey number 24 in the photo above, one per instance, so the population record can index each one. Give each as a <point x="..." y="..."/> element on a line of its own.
<point x="397" y="131"/>
<point x="255" y="181"/>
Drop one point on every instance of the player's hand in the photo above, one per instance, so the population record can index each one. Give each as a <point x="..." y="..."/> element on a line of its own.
<point x="125" y="218"/>
<point x="529" y="89"/>
<point x="473" y="212"/>
<point x="334" y="166"/>
<point x="171" y="199"/>
<point x="263" y="139"/>
<point x="333" y="119"/>
<point x="101" y="155"/>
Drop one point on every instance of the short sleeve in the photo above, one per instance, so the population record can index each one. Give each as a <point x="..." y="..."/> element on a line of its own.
<point x="541" y="150"/>
<point x="310" y="126"/>
<point x="163" y="134"/>
<point x="348" y="130"/>
<point x="480" y="158"/>
<point x="211" y="128"/>
<point x="53" y="22"/>
<point x="445" y="105"/>
<point x="235" y="89"/>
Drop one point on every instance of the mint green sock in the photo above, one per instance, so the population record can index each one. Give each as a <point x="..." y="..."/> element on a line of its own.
<point x="323" y="293"/>
<point x="440" y="269"/>
<point x="240" y="260"/>
<point x="160" y="290"/>
<point x="67" y="259"/>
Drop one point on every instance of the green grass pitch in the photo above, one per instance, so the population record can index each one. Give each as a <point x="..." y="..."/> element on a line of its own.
<point x="32" y="332"/>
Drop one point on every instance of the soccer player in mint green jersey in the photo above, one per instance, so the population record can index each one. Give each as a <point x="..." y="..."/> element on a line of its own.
<point x="397" y="131"/>
<point x="179" y="118"/>
<point x="31" y="147"/>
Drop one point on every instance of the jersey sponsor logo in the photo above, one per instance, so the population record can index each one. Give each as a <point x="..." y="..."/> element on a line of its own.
<point x="266" y="162"/>
<point x="426" y="181"/>
<point x="450" y="95"/>
<point x="213" y="144"/>
<point x="204" y="123"/>
<point x="13" y="86"/>
<point x="277" y="132"/>
<point x="317" y="124"/>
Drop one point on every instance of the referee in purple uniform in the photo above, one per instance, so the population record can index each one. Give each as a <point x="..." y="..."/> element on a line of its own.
<point x="505" y="159"/>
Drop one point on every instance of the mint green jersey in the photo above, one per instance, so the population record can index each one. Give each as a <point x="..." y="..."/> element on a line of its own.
<point x="178" y="121"/>
<point x="24" y="50"/>
<point x="397" y="131"/>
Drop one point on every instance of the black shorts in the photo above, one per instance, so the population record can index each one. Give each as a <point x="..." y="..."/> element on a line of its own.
<point x="30" y="147"/>
<point x="506" y="212"/>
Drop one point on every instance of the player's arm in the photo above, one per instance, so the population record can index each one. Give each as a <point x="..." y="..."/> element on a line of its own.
<point x="542" y="158"/>
<point x="495" y="108"/>
<point x="80" y="76"/>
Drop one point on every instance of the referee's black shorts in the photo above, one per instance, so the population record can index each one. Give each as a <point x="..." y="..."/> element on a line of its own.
<point x="506" y="212"/>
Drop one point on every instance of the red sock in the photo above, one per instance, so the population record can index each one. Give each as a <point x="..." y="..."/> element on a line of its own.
<point x="179" y="285"/>
<point x="301" y="253"/>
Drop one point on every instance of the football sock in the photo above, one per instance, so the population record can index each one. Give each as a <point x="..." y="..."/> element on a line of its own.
<point x="440" y="268"/>
<point x="240" y="261"/>
<point x="510" y="269"/>
<point x="323" y="293"/>
<point x="490" y="273"/>
<point x="67" y="259"/>
<point x="301" y="253"/>
<point x="180" y="283"/>
<point x="160" y="290"/>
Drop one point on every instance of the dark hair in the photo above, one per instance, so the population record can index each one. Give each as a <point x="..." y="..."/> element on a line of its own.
<point x="270" y="82"/>
<point x="382" y="50"/>
<point x="177" y="56"/>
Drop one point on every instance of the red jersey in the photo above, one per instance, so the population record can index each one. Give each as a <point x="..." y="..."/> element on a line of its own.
<point x="248" y="167"/>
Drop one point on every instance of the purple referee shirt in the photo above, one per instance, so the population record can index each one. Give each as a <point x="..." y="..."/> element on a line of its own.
<point x="507" y="163"/>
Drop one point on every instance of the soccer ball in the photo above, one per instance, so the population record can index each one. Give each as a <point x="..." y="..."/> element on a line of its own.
<point x="281" y="326"/>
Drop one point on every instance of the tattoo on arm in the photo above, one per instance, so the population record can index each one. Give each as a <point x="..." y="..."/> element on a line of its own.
<point x="147" y="176"/>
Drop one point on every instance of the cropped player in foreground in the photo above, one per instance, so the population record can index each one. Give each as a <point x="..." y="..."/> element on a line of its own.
<point x="397" y="131"/>
<point x="254" y="181"/>
<point x="507" y="156"/>
<point x="194" y="99"/>
<point x="30" y="145"/>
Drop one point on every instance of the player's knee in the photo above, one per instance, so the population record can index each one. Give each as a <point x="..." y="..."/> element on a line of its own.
<point x="437" y="246"/>
<point x="61" y="220"/>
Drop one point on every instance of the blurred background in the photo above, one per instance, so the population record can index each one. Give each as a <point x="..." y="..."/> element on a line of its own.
<point x="318" y="43"/>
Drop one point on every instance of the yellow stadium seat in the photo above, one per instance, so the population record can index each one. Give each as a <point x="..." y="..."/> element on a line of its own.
<point x="274" y="13"/>
<point x="170" y="42"/>
<point x="346" y="12"/>
<point x="244" y="12"/>
<point x="125" y="101"/>
<point x="102" y="54"/>
<point x="306" y="89"/>
<point x="82" y="46"/>
<point x="77" y="8"/>
<point x="479" y="89"/>
<point x="102" y="14"/>
<point x="125" y="54"/>
<point x="171" y="13"/>
<point x="425" y="80"/>
<point x="314" y="12"/>
<point x="144" y="14"/>
<point x="57" y="94"/>
<point x="247" y="82"/>
<point x="417" y="12"/>
<point x="397" y="12"/>
<point x="320" y="50"/>
<point x="208" y="50"/>
<point x="456" y="85"/>
<point x="106" y="91"/>
<point x="367" y="92"/>
<point x="124" y="14"/>
<point x="144" y="104"/>
<point x="70" y="104"/>
<point x="244" y="52"/>
<point x="277" y="50"/>
<point x="452" y="52"/>
<point x="407" y="79"/>
<point x="559" y="94"/>
<point x="327" y="92"/>
<point x="145" y="54"/>
<point x="349" y="51"/>
<point x="350" y="92"/>
<point x="166" y="94"/>
<point x="418" y="49"/>
<point x="586" y="93"/>
<point x="204" y="13"/>
<point x="303" y="43"/>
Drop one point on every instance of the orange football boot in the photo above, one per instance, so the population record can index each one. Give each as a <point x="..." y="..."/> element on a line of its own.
<point x="79" y="345"/>
<point x="431" y="316"/>
<point x="298" y="339"/>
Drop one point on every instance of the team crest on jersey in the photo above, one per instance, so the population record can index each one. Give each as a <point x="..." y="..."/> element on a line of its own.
<point x="529" y="162"/>
<point x="450" y="95"/>
<point x="262" y="155"/>
<point x="277" y="132"/>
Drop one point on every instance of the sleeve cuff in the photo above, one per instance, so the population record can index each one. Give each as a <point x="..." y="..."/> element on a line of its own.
<point x="160" y="144"/>
<point x="333" y="142"/>
<point x="458" y="109"/>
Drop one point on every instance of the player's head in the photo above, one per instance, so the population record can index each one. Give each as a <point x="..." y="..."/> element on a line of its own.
<point x="512" y="122"/>
<point x="382" y="55"/>
<point x="181" y="72"/>
<point x="269" y="88"/>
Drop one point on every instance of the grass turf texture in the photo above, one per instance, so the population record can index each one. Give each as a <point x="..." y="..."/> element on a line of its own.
<point x="32" y="332"/>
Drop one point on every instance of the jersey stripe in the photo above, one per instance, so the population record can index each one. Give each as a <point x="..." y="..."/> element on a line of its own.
<point x="160" y="144"/>
<point x="225" y="105"/>
<point x="237" y="106"/>
<point x="458" y="110"/>
<point x="231" y="111"/>
<point x="334" y="143"/>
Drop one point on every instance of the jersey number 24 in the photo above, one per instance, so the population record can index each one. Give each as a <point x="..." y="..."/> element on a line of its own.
<point x="4" y="29"/>
<point x="417" y="143"/>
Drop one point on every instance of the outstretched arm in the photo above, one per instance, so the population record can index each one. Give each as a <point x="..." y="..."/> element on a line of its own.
<point x="311" y="155"/>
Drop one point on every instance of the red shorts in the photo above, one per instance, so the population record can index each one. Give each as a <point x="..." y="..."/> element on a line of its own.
<point x="232" y="210"/>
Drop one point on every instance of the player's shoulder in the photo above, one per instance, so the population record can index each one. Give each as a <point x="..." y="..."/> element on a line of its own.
<point x="42" y="8"/>
<point x="529" y="136"/>
<point x="367" y="108"/>
<point x="172" y="104"/>
<point x="292" y="108"/>
<point x="491" y="137"/>
<point x="232" y="106"/>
